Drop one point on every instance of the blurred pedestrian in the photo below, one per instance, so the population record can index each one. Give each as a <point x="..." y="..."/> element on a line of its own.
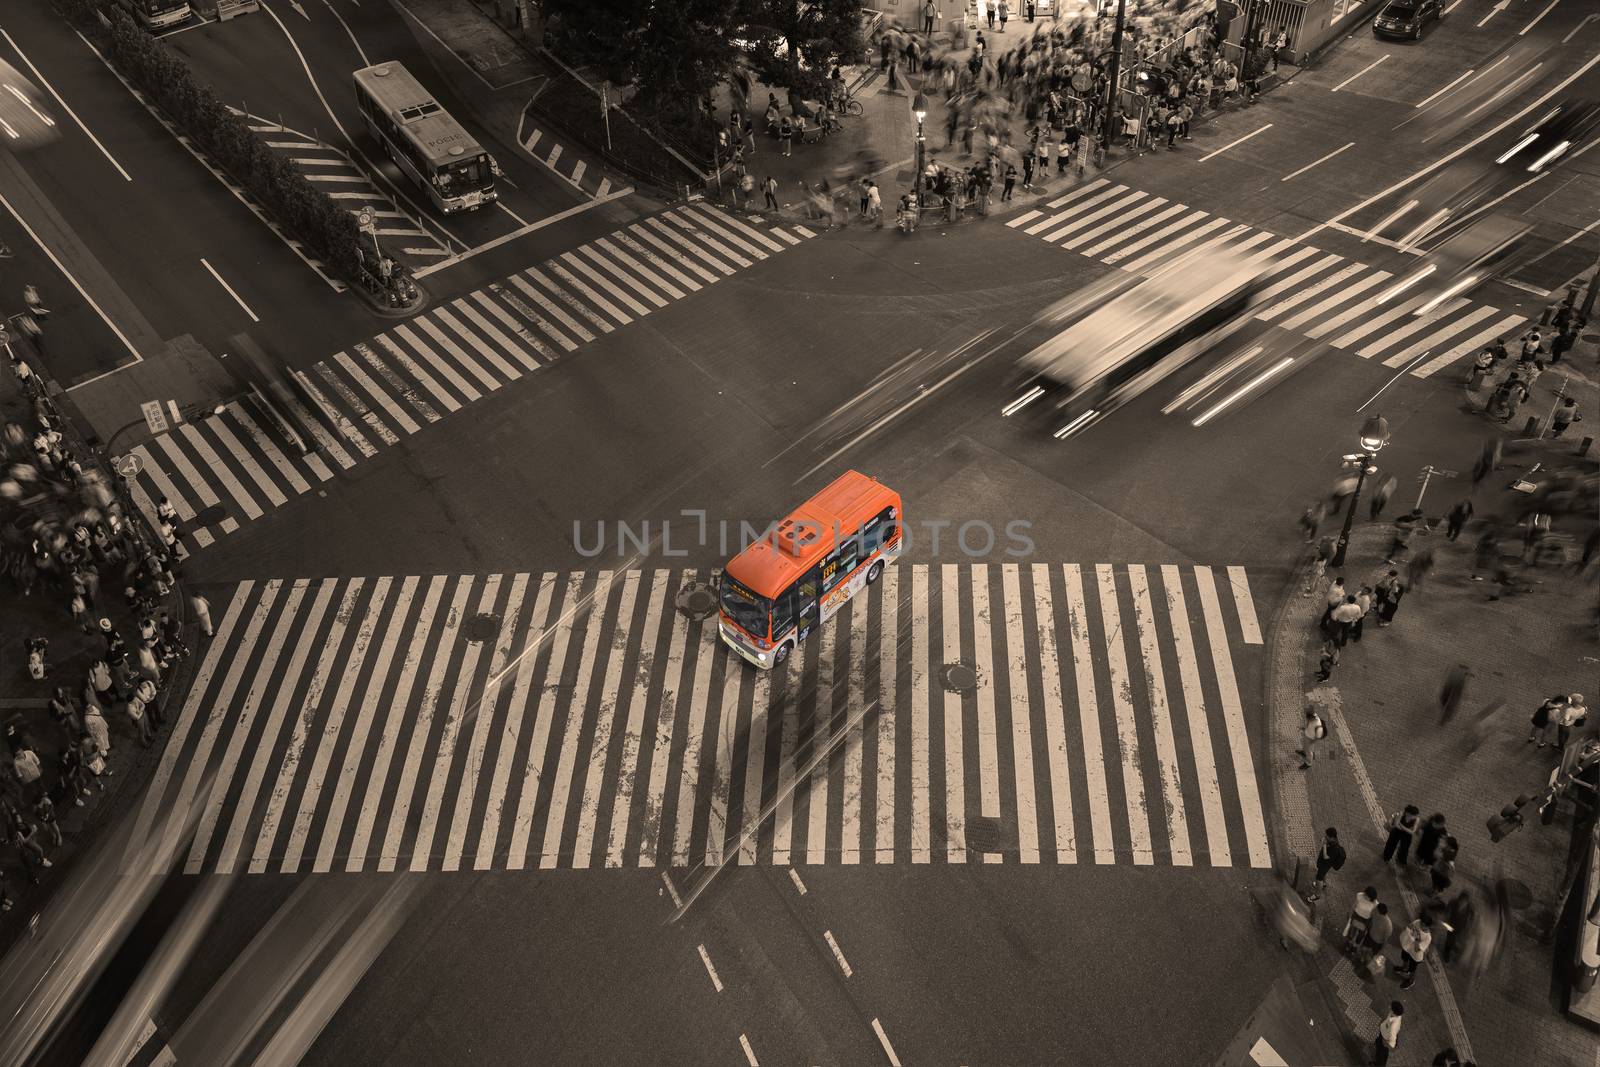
<point x="1415" y="940"/>
<point x="1328" y="660"/>
<point x="1314" y="573"/>
<point x="1565" y="415"/>
<point x="1379" y="930"/>
<point x="44" y="809"/>
<point x="1443" y="871"/>
<point x="1330" y="857"/>
<point x="1447" y="1057"/>
<point x="1457" y="518"/>
<point x="1311" y="520"/>
<point x="1481" y="724"/>
<point x="1335" y="597"/>
<point x="1005" y="13"/>
<point x="202" y="613"/>
<point x="141" y="721"/>
<point x="1388" y="1038"/>
<point x="1381" y="494"/>
<point x="1461" y="917"/>
<point x="36" y="308"/>
<point x="1418" y="569"/>
<point x="1432" y="837"/>
<point x="30" y="850"/>
<point x="1452" y="692"/>
<point x="1405" y="527"/>
<point x="1402" y="827"/>
<point x="1364" y="601"/>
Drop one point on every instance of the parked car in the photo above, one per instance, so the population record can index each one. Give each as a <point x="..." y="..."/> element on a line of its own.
<point x="1405" y="18"/>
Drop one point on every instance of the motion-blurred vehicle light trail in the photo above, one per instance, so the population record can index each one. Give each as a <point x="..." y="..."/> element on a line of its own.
<point x="1254" y="384"/>
<point x="1117" y="339"/>
<point x="1459" y="264"/>
<point x="1564" y="127"/>
<point x="24" y="119"/>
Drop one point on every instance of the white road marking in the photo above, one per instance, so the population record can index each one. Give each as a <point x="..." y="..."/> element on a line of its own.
<point x="1233" y="144"/>
<point x="1440" y="92"/>
<point x="794" y="876"/>
<point x="1537" y="18"/>
<point x="1360" y="72"/>
<point x="1233" y="714"/>
<point x="1244" y="603"/>
<point x="689" y="771"/>
<point x="566" y="767"/>
<point x="543" y="726"/>
<point x="1324" y="159"/>
<point x="921" y="809"/>
<point x="1205" y="763"/>
<point x="883" y="1039"/>
<point x="607" y="718"/>
<point x="988" y="731"/>
<point x="1121" y="697"/>
<point x="1015" y="653"/>
<point x="817" y="794"/>
<point x="1088" y="716"/>
<point x="838" y="953"/>
<point x="855" y="697"/>
<point x="1160" y="718"/>
<point x="705" y="957"/>
<point x="888" y="677"/>
<point x="672" y="890"/>
<point x="955" y="781"/>
<point x="749" y="1053"/>
<point x="64" y="105"/>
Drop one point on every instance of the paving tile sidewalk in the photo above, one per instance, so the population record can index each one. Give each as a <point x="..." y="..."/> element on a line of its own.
<point x="1389" y="750"/>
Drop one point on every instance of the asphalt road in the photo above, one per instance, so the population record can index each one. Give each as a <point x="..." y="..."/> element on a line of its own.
<point x="887" y="928"/>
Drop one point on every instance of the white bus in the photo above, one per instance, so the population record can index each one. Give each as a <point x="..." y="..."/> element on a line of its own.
<point x="159" y="14"/>
<point x="1135" y="333"/>
<point x="423" y="140"/>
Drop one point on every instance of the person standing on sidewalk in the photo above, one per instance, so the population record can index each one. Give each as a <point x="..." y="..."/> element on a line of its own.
<point x="930" y="11"/>
<point x="1402" y="827"/>
<point x="1005" y="13"/>
<point x="1572" y="717"/>
<point x="1415" y="940"/>
<point x="1388" y="1038"/>
<point x="769" y="190"/>
<point x="989" y="12"/>
<point x="1545" y="716"/>
<point x="1565" y="415"/>
<point x="1311" y="736"/>
<point x="1360" y="920"/>
<point x="1329" y="858"/>
<point x="1387" y="594"/>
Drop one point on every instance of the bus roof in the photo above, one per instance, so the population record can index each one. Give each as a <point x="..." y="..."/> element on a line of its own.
<point x="1164" y="302"/>
<point x="431" y="128"/>
<point x="771" y="564"/>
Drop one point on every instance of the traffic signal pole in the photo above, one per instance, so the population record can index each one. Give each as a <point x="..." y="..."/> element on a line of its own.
<point x="1112" y="91"/>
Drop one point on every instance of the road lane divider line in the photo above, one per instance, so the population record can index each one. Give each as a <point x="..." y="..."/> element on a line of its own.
<point x="1440" y="92"/>
<point x="883" y="1039"/>
<point x="538" y="224"/>
<point x="672" y="890"/>
<point x="1360" y="72"/>
<point x="838" y="953"/>
<point x="1324" y="159"/>
<point x="794" y="876"/>
<point x="65" y="106"/>
<point x="1232" y="144"/>
<point x="705" y="958"/>
<point x="1538" y="18"/>
<point x="237" y="299"/>
<point x="749" y="1053"/>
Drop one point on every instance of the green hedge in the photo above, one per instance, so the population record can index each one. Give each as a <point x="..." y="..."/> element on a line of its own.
<point x="329" y="230"/>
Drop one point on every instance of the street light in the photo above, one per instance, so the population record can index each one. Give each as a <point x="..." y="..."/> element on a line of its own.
<point x="919" y="107"/>
<point x="1374" y="435"/>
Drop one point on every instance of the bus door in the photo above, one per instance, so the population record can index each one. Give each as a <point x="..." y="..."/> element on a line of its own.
<point x="836" y="568"/>
<point x="797" y="608"/>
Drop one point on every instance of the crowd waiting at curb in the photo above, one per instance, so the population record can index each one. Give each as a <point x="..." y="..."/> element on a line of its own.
<point x="67" y="536"/>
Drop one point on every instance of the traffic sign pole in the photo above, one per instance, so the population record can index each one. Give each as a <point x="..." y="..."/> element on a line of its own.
<point x="1427" y="473"/>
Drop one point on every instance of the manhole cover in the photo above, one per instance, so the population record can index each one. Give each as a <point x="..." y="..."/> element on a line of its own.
<point x="983" y="834"/>
<point x="1591" y="338"/>
<point x="958" y="678"/>
<point x="481" y="627"/>
<point x="697" y="600"/>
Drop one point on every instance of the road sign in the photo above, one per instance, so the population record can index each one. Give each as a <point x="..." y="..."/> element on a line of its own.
<point x="365" y="217"/>
<point x="154" y="417"/>
<point x="128" y="465"/>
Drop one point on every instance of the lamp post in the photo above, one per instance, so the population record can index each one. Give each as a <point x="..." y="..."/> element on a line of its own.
<point x="1115" y="72"/>
<point x="919" y="107"/>
<point x="1374" y="435"/>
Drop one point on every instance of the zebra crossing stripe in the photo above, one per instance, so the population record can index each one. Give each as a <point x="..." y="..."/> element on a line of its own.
<point x="1501" y="328"/>
<point x="855" y="738"/>
<point x="1144" y="204"/>
<point x="614" y="264"/>
<point x="566" y="768"/>
<point x="522" y="823"/>
<point x="417" y="371"/>
<point x="1447" y="334"/>
<point x="1160" y="719"/>
<point x="1052" y="711"/>
<point x="1199" y="726"/>
<point x="268" y="448"/>
<point x="988" y="731"/>
<point x="600" y="743"/>
<point x="821" y="737"/>
<point x="482" y="713"/>
<point x="674" y="253"/>
<point x="1136" y="808"/>
<point x="394" y="724"/>
<point x="1416" y="322"/>
<point x="488" y="305"/>
<point x="1021" y="717"/>
<point x="242" y="718"/>
<point x="1093" y="749"/>
<point x="955" y="784"/>
<point x="344" y="782"/>
<point x="888" y="708"/>
<point x="494" y="806"/>
<point x="1118" y="204"/>
<point x="268" y="487"/>
<point x="180" y="462"/>
<point x="1137" y="228"/>
<point x="1233" y="715"/>
<point x="666" y="723"/>
<point x="754" y="764"/>
<point x="633" y="732"/>
<point x="921" y="740"/>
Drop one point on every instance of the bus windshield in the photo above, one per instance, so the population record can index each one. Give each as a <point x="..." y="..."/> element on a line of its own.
<point x="745" y="608"/>
<point x="464" y="176"/>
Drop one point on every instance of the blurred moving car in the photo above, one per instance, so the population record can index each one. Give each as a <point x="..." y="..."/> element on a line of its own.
<point x="1134" y="333"/>
<point x="1556" y="134"/>
<point x="1459" y="264"/>
<point x="25" y="120"/>
<point x="1405" y="18"/>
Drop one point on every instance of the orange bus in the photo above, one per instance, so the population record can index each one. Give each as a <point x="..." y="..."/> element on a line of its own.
<point x="802" y="572"/>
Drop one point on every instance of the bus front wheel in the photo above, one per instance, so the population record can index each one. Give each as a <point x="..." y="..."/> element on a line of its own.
<point x="782" y="655"/>
<point x="874" y="571"/>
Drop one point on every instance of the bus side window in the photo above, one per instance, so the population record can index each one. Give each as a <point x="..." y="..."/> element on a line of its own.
<point x="841" y="561"/>
<point x="879" y="531"/>
<point x="783" y="611"/>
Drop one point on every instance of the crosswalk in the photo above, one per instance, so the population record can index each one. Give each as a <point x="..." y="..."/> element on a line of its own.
<point x="456" y="352"/>
<point x="329" y="169"/>
<point x="1319" y="294"/>
<point x="1027" y="714"/>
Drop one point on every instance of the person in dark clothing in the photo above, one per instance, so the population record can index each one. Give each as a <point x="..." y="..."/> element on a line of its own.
<point x="1433" y="836"/>
<point x="1451" y="694"/>
<point x="1402" y="828"/>
<point x="1388" y="593"/>
<point x="1457" y="519"/>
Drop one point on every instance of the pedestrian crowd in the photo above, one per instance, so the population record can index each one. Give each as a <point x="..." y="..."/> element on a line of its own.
<point x="1507" y="384"/>
<point x="66" y="535"/>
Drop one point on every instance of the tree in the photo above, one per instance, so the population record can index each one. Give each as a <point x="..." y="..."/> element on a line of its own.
<point x="792" y="44"/>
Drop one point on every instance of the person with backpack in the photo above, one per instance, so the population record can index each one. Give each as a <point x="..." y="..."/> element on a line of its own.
<point x="1329" y="858"/>
<point x="1311" y="735"/>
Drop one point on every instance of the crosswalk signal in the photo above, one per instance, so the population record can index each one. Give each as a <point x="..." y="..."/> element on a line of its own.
<point x="1508" y="821"/>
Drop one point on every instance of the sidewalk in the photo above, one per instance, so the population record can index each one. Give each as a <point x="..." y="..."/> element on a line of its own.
<point x="45" y="612"/>
<point x="1388" y="750"/>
